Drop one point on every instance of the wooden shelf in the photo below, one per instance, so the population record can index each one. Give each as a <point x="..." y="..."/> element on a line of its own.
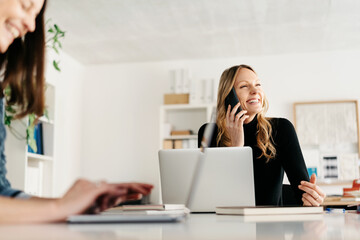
<point x="187" y="106"/>
<point x="39" y="157"/>
<point x="45" y="120"/>
<point x="184" y="117"/>
<point x="181" y="137"/>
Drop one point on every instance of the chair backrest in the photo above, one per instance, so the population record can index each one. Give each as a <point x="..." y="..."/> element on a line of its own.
<point x="213" y="138"/>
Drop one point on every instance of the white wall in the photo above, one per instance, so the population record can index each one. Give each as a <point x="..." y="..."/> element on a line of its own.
<point x="120" y="131"/>
<point x="68" y="120"/>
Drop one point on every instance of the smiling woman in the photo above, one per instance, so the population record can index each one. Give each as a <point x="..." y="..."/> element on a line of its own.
<point x="22" y="48"/>
<point x="22" y="44"/>
<point x="17" y="19"/>
<point x="273" y="140"/>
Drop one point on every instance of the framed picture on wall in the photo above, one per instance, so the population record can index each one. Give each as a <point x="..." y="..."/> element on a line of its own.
<point x="328" y="133"/>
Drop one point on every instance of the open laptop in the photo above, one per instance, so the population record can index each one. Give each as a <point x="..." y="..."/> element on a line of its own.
<point x="203" y="180"/>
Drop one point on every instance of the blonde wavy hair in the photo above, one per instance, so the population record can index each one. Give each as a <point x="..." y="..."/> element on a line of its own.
<point x="264" y="128"/>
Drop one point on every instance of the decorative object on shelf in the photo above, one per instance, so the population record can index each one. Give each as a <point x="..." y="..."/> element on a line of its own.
<point x="168" y="144"/>
<point x="174" y="98"/>
<point x="53" y="41"/>
<point x="207" y="91"/>
<point x="180" y="81"/>
<point x="181" y="132"/>
<point x="198" y="90"/>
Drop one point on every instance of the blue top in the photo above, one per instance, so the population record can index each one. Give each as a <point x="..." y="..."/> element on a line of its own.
<point x="5" y="188"/>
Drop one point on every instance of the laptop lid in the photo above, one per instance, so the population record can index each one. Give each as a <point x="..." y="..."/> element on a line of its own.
<point x="224" y="177"/>
<point x="177" y="167"/>
<point x="202" y="181"/>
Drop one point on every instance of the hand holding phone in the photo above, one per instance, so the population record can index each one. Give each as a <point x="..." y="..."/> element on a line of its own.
<point x="234" y="123"/>
<point x="232" y="99"/>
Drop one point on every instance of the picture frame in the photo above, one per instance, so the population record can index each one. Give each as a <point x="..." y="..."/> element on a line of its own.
<point x="329" y="128"/>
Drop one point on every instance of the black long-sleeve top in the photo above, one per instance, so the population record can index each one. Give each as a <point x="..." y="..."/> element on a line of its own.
<point x="268" y="177"/>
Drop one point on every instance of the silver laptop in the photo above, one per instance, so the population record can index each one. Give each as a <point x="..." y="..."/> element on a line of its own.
<point x="202" y="181"/>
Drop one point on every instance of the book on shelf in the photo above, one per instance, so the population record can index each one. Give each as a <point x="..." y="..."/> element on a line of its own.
<point x="268" y="210"/>
<point x="38" y="137"/>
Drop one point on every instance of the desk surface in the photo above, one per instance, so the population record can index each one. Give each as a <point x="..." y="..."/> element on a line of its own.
<point x="201" y="226"/>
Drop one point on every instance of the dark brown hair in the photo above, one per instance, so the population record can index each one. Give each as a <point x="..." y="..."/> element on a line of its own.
<point x="22" y="68"/>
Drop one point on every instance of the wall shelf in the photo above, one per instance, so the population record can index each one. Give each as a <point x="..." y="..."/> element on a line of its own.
<point x="183" y="117"/>
<point x="39" y="157"/>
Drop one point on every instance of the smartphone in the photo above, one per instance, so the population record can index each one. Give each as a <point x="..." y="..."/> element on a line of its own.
<point x="232" y="99"/>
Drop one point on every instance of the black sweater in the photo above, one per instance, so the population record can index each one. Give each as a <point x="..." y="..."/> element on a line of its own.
<point x="268" y="177"/>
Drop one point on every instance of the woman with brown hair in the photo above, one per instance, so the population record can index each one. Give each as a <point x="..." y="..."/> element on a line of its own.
<point x="22" y="48"/>
<point x="273" y="140"/>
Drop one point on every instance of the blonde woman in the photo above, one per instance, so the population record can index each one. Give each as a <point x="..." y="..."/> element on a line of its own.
<point x="273" y="140"/>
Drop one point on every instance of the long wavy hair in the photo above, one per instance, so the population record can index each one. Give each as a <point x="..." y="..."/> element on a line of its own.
<point x="22" y="68"/>
<point x="264" y="128"/>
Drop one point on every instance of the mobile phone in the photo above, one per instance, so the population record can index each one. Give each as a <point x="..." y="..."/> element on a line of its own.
<point x="232" y="99"/>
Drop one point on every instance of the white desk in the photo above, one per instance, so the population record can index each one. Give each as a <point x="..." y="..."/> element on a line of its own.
<point x="199" y="226"/>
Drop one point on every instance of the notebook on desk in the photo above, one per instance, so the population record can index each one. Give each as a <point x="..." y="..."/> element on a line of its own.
<point x="202" y="181"/>
<point x="268" y="210"/>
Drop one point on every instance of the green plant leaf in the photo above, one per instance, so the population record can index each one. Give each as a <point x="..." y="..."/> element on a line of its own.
<point x="30" y="132"/>
<point x="7" y="120"/>
<point x="46" y="114"/>
<point x="32" y="118"/>
<point x="57" y="28"/>
<point x="10" y="109"/>
<point x="31" y="140"/>
<point x="55" y="49"/>
<point x="7" y="91"/>
<point x="56" y="65"/>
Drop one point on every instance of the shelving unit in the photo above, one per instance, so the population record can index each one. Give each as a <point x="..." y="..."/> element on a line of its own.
<point x="183" y="117"/>
<point x="33" y="173"/>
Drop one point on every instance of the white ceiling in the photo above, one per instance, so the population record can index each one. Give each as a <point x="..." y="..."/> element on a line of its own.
<point x="109" y="31"/>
